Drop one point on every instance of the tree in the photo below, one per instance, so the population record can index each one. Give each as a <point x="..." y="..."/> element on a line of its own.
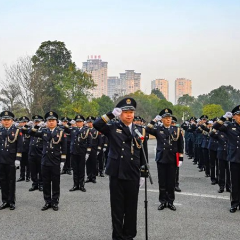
<point x="213" y="110"/>
<point x="182" y="112"/>
<point x="105" y="104"/>
<point x="186" y="100"/>
<point x="9" y="97"/>
<point x="158" y="93"/>
<point x="51" y="61"/>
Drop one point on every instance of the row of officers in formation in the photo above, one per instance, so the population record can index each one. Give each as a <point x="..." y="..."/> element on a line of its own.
<point x="214" y="146"/>
<point x="44" y="147"/>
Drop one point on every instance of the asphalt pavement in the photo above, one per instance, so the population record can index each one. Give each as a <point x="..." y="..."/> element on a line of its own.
<point x="202" y="212"/>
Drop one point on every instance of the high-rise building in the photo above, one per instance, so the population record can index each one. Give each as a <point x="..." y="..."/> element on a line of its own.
<point x="115" y="87"/>
<point x="130" y="81"/>
<point x="162" y="86"/>
<point x="98" y="69"/>
<point x="182" y="86"/>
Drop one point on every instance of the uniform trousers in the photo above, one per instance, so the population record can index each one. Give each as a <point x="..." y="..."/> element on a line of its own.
<point x="91" y="165"/>
<point x="100" y="162"/>
<point x="213" y="165"/>
<point x="177" y="177"/>
<point x="78" y="165"/>
<point x="166" y="182"/>
<point x="224" y="174"/>
<point x="124" y="201"/>
<point x="67" y="164"/>
<point x="51" y="183"/>
<point x="24" y="166"/>
<point x="8" y="182"/>
<point x="206" y="160"/>
<point x="235" y="178"/>
<point x="36" y="173"/>
<point x="201" y="158"/>
<point x="190" y="148"/>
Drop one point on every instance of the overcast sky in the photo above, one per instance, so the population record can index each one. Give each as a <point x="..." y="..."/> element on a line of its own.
<point x="198" y="40"/>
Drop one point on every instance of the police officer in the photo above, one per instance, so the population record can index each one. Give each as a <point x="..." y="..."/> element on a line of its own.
<point x="232" y="130"/>
<point x="10" y="155"/>
<point x="123" y="167"/>
<point x="67" y="165"/>
<point x="169" y="145"/>
<point x="24" y="165"/>
<point x="35" y="155"/>
<point x="54" y="156"/>
<point x="96" y="147"/>
<point x="80" y="149"/>
<point x="101" y="156"/>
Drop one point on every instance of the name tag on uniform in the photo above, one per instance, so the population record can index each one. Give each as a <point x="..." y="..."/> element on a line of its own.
<point x="118" y="130"/>
<point x="45" y="135"/>
<point x="234" y="129"/>
<point x="0" y="133"/>
<point x="161" y="132"/>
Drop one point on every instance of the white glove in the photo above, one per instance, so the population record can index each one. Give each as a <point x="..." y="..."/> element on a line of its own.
<point x="180" y="164"/>
<point x="41" y="124"/>
<point x="17" y="163"/>
<point x="228" y="115"/>
<point x="60" y="123"/>
<point x="158" y="118"/>
<point x="72" y="121"/>
<point x="61" y="166"/>
<point x="141" y="182"/>
<point x="86" y="156"/>
<point x="104" y="149"/>
<point x="30" y="123"/>
<point x="117" y="112"/>
<point x="16" y="124"/>
<point x="98" y="153"/>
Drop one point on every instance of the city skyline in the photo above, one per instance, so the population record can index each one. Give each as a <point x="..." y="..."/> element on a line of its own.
<point x="195" y="40"/>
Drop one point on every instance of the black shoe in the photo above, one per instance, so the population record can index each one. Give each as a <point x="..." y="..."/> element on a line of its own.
<point x="74" y="189"/>
<point x="55" y="207"/>
<point x="46" y="207"/>
<point x="221" y="190"/>
<point x="102" y="175"/>
<point x="233" y="209"/>
<point x="177" y="189"/>
<point x="161" y="206"/>
<point x="207" y="175"/>
<point x="63" y="172"/>
<point x="12" y="206"/>
<point x="228" y="189"/>
<point x="194" y="163"/>
<point x="20" y="179"/>
<point x="4" y="205"/>
<point x="40" y="188"/>
<point x="69" y="172"/>
<point x="94" y="181"/>
<point x="83" y="189"/>
<point x="214" y="182"/>
<point x="27" y="179"/>
<point x="190" y="158"/>
<point x="33" y="189"/>
<point x="88" y="180"/>
<point x="201" y="170"/>
<point x="172" y="207"/>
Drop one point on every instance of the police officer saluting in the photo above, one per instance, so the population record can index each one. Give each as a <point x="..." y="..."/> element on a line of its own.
<point x="10" y="155"/>
<point x="24" y="165"/>
<point x="54" y="155"/>
<point x="169" y="145"/>
<point x="123" y="167"/>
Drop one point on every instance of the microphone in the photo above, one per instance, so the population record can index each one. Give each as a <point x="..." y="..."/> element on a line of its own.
<point x="138" y="133"/>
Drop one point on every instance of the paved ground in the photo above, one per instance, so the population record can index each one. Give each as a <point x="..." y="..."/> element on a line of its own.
<point x="202" y="213"/>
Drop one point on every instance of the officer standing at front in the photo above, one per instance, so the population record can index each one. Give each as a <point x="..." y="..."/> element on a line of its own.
<point x="123" y="167"/>
<point x="169" y="143"/>
<point x="54" y="155"/>
<point x="10" y="154"/>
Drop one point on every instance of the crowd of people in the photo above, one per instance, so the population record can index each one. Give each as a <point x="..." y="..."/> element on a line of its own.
<point x="116" y="144"/>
